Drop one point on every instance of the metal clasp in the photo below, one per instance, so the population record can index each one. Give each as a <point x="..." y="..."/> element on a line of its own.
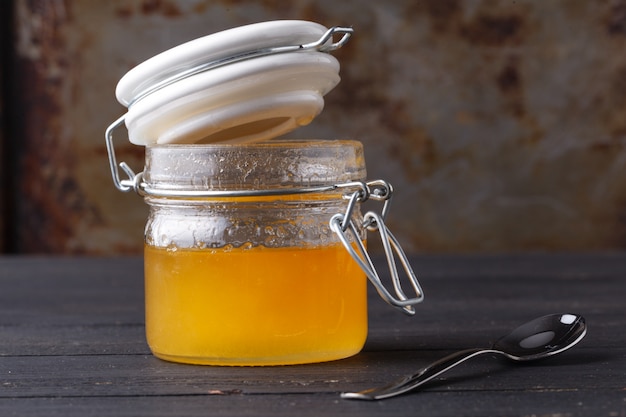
<point x="343" y="225"/>
<point x="126" y="184"/>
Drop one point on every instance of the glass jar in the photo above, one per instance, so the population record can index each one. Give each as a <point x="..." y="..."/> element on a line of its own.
<point x="252" y="275"/>
<point x="254" y="247"/>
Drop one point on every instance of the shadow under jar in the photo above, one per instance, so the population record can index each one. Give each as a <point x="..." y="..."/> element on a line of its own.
<point x="248" y="271"/>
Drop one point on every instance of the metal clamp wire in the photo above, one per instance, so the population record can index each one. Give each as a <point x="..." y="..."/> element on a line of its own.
<point x="135" y="182"/>
<point x="391" y="245"/>
<point x="122" y="185"/>
<point x="362" y="258"/>
<point x="358" y="196"/>
<point x="379" y="190"/>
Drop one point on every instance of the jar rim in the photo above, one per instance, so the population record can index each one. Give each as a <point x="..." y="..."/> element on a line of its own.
<point x="271" y="165"/>
<point x="282" y="143"/>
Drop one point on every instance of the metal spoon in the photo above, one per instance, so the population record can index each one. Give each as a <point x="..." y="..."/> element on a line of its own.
<point x="537" y="339"/>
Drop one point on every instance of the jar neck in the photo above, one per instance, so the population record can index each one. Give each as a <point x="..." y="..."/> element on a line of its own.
<point x="252" y="170"/>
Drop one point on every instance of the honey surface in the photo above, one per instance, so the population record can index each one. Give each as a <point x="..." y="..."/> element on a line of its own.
<point x="255" y="306"/>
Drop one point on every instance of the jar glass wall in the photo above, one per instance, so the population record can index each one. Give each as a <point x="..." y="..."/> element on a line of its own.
<point x="250" y="273"/>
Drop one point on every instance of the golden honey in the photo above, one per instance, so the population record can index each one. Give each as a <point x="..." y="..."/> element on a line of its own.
<point x="254" y="306"/>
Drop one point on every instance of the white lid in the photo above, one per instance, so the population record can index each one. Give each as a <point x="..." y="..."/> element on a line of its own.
<point x="256" y="96"/>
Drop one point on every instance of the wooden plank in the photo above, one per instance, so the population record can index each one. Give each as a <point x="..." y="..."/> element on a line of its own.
<point x="56" y="292"/>
<point x="120" y="339"/>
<point x="143" y="375"/>
<point x="540" y="402"/>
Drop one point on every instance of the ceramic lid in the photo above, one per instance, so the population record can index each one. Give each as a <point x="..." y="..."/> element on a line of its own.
<point x="245" y="84"/>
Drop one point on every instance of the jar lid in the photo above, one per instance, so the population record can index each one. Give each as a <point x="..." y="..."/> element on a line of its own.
<point x="246" y="84"/>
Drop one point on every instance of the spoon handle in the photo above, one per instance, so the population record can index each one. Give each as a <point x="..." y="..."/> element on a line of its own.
<point x="413" y="381"/>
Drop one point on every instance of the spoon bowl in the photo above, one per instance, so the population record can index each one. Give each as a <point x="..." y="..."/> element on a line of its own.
<point x="540" y="338"/>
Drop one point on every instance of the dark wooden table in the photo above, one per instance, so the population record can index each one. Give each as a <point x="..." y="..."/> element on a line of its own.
<point x="72" y="343"/>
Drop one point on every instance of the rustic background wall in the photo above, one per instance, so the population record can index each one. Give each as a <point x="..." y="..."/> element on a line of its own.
<point x="501" y="124"/>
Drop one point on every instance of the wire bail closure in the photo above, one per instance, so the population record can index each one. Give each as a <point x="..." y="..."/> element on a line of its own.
<point x="343" y="225"/>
